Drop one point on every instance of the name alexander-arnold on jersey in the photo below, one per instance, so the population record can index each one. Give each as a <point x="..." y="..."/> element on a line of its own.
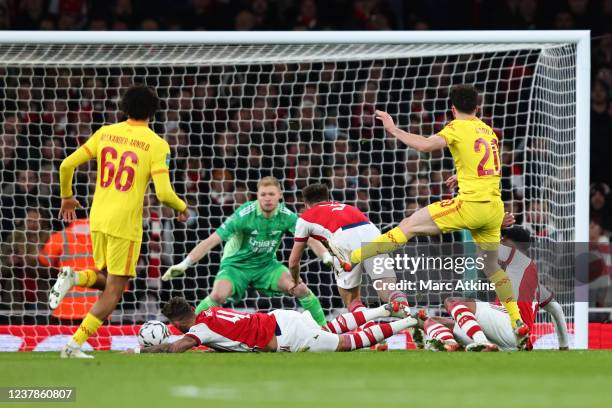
<point x="125" y="141"/>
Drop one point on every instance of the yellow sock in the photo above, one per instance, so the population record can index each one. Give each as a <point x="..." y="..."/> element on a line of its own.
<point x="89" y="326"/>
<point x="86" y="278"/>
<point x="505" y="293"/>
<point x="383" y="244"/>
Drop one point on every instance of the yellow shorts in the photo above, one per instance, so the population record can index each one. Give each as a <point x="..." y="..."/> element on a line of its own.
<point x="118" y="255"/>
<point x="482" y="218"/>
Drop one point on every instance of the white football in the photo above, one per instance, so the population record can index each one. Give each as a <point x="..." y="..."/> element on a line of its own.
<point x="153" y="333"/>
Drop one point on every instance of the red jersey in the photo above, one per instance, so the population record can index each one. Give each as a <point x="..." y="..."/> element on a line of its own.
<point x="323" y="219"/>
<point x="523" y="274"/>
<point x="227" y="330"/>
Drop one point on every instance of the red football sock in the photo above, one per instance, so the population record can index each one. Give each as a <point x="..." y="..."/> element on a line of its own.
<point x="356" y="306"/>
<point x="438" y="331"/>
<point x="350" y="321"/>
<point x="373" y="334"/>
<point x="467" y="321"/>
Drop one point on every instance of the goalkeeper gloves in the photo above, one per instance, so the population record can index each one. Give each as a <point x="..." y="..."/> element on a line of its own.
<point x="177" y="270"/>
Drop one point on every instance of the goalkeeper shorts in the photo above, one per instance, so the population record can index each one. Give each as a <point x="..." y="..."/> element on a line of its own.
<point x="262" y="278"/>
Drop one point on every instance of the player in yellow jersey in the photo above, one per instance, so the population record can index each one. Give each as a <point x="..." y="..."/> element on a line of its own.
<point x="478" y="206"/>
<point x="128" y="155"/>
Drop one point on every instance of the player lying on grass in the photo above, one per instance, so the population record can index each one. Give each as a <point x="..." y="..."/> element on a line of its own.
<point x="253" y="234"/>
<point x="280" y="330"/>
<point x="128" y="155"/>
<point x="324" y="219"/>
<point x="482" y="326"/>
<point x="478" y="206"/>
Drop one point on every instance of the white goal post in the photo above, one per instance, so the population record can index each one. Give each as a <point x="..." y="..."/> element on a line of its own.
<point x="352" y="56"/>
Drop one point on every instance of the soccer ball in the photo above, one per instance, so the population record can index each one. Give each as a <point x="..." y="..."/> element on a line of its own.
<point x="153" y="333"/>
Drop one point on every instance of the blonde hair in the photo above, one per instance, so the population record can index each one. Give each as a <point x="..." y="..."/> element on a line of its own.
<point x="268" y="181"/>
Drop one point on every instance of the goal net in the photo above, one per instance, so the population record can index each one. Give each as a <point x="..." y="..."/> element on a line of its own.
<point x="302" y="113"/>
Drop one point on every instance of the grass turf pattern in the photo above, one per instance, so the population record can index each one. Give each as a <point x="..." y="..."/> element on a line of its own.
<point x="358" y="379"/>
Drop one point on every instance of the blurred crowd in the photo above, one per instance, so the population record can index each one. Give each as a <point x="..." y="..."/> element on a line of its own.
<point x="302" y="123"/>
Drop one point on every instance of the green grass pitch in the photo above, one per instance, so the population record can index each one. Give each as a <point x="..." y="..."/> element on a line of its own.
<point x="358" y="379"/>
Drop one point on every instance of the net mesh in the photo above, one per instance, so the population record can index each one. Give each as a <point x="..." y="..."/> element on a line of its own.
<point x="302" y="113"/>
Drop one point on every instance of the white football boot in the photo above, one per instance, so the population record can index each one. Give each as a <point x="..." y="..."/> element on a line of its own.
<point x="343" y="255"/>
<point x="73" y="351"/>
<point x="65" y="281"/>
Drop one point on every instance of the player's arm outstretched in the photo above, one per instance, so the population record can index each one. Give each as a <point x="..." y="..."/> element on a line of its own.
<point x="197" y="253"/>
<point x="182" y="345"/>
<point x="418" y="142"/>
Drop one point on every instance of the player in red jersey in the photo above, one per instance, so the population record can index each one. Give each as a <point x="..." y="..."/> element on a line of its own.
<point x="324" y="219"/>
<point x="280" y="330"/>
<point x="482" y="326"/>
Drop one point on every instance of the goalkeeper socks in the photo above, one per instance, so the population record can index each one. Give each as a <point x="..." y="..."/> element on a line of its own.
<point x="384" y="243"/>
<point x="438" y="331"/>
<point x="505" y="293"/>
<point x="467" y="321"/>
<point x="351" y="321"/>
<point x="86" y="278"/>
<point x="88" y="327"/>
<point x="205" y="304"/>
<point x="311" y="303"/>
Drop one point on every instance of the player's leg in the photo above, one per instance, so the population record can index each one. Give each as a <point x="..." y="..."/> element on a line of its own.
<point x="221" y="290"/>
<point x="230" y="285"/>
<point x="279" y="279"/>
<point x="353" y="320"/>
<point x="383" y="279"/>
<point x="463" y="311"/>
<point x="494" y="322"/>
<point x="373" y="334"/>
<point x="495" y="274"/>
<point x="487" y="237"/>
<point x="380" y="269"/>
<point x="419" y="223"/>
<point x="88" y="278"/>
<point x="121" y="256"/>
<point x="104" y="306"/>
<point x="440" y="334"/>
<point x="68" y="277"/>
<point x="350" y="296"/>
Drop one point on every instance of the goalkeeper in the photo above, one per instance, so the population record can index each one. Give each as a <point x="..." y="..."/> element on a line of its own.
<point x="253" y="234"/>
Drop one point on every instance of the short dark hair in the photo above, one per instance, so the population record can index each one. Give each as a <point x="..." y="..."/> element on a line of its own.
<point x="315" y="193"/>
<point x="140" y="102"/>
<point x="464" y="98"/>
<point x="517" y="234"/>
<point x="177" y="309"/>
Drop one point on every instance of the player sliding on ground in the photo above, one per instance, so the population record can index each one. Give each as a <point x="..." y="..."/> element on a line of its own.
<point x="280" y="330"/>
<point x="477" y="208"/>
<point x="324" y="219"/>
<point x="253" y="234"/>
<point x="482" y="326"/>
<point x="128" y="155"/>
